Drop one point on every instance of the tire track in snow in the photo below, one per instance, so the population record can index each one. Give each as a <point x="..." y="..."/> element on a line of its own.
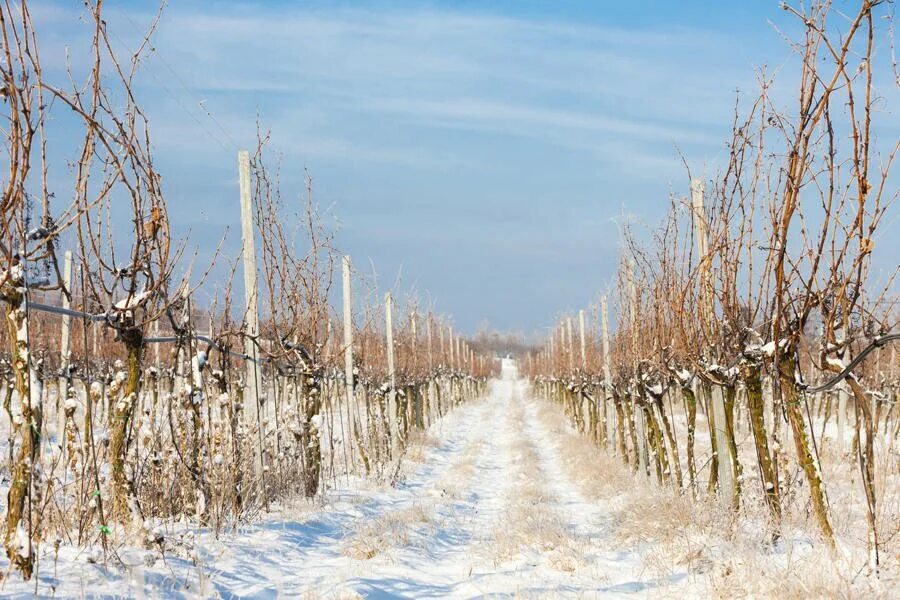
<point x="444" y="557"/>
<point x="439" y="562"/>
<point x="279" y="558"/>
<point x="613" y="572"/>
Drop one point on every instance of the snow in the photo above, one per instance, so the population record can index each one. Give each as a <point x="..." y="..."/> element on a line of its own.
<point x="23" y="544"/>
<point x="836" y="362"/>
<point x="656" y="389"/>
<point x="433" y="535"/>
<point x="132" y="301"/>
<point x="317" y="421"/>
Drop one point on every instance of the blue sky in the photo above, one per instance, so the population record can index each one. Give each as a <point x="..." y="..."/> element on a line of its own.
<point x="480" y="151"/>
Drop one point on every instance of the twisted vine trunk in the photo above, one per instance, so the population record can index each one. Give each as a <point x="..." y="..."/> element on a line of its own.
<point x="751" y="375"/>
<point x="632" y="433"/>
<point x="310" y="434"/>
<point x="673" y="443"/>
<point x="865" y="451"/>
<point x="620" y="428"/>
<point x="791" y="398"/>
<point x="27" y="429"/>
<point x="713" y="481"/>
<point x="124" y="501"/>
<point x="690" y="405"/>
<point x="734" y="462"/>
<point x="653" y="437"/>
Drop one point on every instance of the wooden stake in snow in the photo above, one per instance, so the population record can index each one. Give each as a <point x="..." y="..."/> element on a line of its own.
<point x="414" y="405"/>
<point x="843" y="394"/>
<point x="589" y="413"/>
<point x="349" y="380"/>
<point x="414" y="335"/>
<point x="428" y="338"/>
<point x="251" y="298"/>
<point x="726" y="480"/>
<point x="64" y="356"/>
<point x="569" y="344"/>
<point x="581" y="337"/>
<point x="392" y="394"/>
<point x="251" y="294"/>
<point x="452" y="349"/>
<point x="639" y="425"/>
<point x="607" y="376"/>
<point x="550" y="349"/>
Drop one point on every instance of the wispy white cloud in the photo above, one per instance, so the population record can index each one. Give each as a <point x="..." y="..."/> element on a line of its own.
<point x="420" y="122"/>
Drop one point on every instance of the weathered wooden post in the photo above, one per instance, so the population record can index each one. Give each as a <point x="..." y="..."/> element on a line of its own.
<point x="349" y="378"/>
<point x="251" y="299"/>
<point x="452" y="348"/>
<point x="428" y="340"/>
<point x="717" y="398"/>
<point x="416" y="415"/>
<point x="610" y="409"/>
<point x="64" y="357"/>
<point x="550" y="352"/>
<point x="431" y="382"/>
<point x="843" y="394"/>
<point x="588" y="410"/>
<point x="638" y="412"/>
<point x="581" y="338"/>
<point x="392" y="394"/>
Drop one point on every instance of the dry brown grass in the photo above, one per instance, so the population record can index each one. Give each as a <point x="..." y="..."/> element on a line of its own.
<point x="388" y="531"/>
<point x="458" y="478"/>
<point x="346" y="594"/>
<point x="531" y="523"/>
<point x="418" y="445"/>
<point x="733" y="552"/>
<point x="394" y="528"/>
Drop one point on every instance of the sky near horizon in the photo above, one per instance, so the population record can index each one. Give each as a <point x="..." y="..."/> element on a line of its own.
<point x="480" y="153"/>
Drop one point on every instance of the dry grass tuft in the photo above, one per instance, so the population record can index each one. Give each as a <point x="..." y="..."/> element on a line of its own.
<point x="344" y="594"/>
<point x="732" y="552"/>
<point x="419" y="444"/>
<point x="530" y="522"/>
<point x="389" y="531"/>
<point x="458" y="478"/>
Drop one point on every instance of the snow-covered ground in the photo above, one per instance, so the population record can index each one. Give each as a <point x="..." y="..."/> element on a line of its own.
<point x="497" y="499"/>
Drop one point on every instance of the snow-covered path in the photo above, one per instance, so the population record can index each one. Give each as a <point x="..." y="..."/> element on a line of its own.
<point x="487" y="510"/>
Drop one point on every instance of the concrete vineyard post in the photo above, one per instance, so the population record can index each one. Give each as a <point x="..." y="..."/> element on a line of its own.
<point x="429" y="342"/>
<point x="843" y="394"/>
<point x="582" y="340"/>
<point x="416" y="408"/>
<point x="611" y="425"/>
<point x="717" y="397"/>
<point x="349" y="378"/>
<point x="639" y="425"/>
<point x="251" y="299"/>
<point x="450" y="340"/>
<point x="392" y="393"/>
<point x="64" y="357"/>
<point x="431" y="382"/>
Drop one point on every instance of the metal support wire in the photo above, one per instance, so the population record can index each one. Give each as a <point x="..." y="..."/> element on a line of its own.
<point x="104" y="318"/>
<point x="878" y="342"/>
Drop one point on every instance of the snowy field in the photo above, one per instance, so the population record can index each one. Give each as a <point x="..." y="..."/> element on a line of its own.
<point x="486" y="507"/>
